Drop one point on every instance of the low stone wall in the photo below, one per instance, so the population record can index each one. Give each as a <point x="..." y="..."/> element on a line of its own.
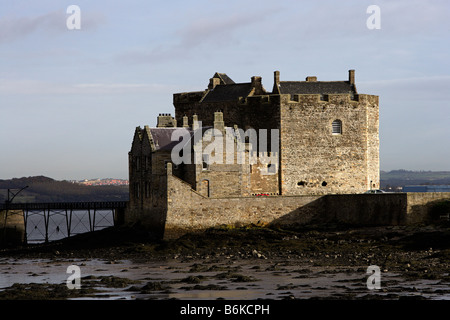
<point x="421" y="203"/>
<point x="365" y="209"/>
<point x="188" y="210"/>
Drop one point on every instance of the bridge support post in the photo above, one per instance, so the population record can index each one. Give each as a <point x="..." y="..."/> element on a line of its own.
<point x="12" y="227"/>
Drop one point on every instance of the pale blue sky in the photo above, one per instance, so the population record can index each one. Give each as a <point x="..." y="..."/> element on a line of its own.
<point x="71" y="99"/>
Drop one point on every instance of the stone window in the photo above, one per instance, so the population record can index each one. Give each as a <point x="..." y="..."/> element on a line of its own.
<point x="336" y="127"/>
<point x="205" y="162"/>
<point x="137" y="163"/>
<point x="137" y="190"/>
<point x="271" y="168"/>
<point x="147" y="189"/>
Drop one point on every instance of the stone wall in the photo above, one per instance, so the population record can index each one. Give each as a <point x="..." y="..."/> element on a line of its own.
<point x="421" y="203"/>
<point x="316" y="161"/>
<point x="365" y="209"/>
<point x="188" y="210"/>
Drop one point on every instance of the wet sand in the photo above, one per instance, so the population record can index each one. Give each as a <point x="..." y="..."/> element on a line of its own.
<point x="245" y="263"/>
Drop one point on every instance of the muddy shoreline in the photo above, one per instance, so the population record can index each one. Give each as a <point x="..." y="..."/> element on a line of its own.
<point x="224" y="262"/>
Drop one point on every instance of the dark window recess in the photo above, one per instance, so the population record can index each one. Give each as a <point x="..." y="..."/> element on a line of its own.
<point x="337" y="127"/>
<point x="324" y="184"/>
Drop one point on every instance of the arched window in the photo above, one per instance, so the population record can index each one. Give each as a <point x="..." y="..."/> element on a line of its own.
<point x="336" y="127"/>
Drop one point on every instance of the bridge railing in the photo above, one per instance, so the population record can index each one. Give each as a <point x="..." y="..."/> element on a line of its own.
<point x="65" y="205"/>
<point x="44" y="222"/>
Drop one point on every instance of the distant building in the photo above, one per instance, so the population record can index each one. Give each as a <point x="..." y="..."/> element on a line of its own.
<point x="427" y="188"/>
<point x="103" y="182"/>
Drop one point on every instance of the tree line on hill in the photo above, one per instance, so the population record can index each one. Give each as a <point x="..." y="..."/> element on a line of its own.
<point x="44" y="189"/>
<point x="400" y="178"/>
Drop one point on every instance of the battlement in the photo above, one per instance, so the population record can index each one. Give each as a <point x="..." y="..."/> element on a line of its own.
<point x="323" y="97"/>
<point x="333" y="98"/>
<point x="260" y="99"/>
<point x="188" y="97"/>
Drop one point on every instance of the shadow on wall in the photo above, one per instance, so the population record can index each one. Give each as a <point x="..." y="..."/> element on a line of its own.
<point x="351" y="209"/>
<point x="307" y="214"/>
<point x="431" y="212"/>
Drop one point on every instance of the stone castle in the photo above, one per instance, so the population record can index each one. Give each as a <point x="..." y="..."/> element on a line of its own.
<point x="277" y="151"/>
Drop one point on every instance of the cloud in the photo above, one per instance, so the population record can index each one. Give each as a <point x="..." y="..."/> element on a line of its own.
<point x="215" y="29"/>
<point x="34" y="87"/>
<point x="218" y="29"/>
<point x="13" y="28"/>
<point x="413" y="88"/>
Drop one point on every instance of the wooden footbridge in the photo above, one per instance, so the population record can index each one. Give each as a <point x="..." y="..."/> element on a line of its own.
<point x="44" y="222"/>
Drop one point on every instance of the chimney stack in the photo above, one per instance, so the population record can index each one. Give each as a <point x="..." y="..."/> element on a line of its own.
<point x="195" y="124"/>
<point x="256" y="81"/>
<point x="218" y="121"/>
<point x="185" y="121"/>
<point x="276" y="82"/>
<point x="351" y="76"/>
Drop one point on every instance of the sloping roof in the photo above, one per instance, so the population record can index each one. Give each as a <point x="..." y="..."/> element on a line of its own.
<point x="225" y="79"/>
<point x="162" y="138"/>
<point x="228" y="92"/>
<point x="316" y="87"/>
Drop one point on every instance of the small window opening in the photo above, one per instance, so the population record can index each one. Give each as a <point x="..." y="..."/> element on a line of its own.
<point x="301" y="183"/>
<point x="324" y="184"/>
<point x="337" y="127"/>
<point x="205" y="162"/>
<point x="272" y="168"/>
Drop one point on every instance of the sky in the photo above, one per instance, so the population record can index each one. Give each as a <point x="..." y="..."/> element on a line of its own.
<point x="70" y="99"/>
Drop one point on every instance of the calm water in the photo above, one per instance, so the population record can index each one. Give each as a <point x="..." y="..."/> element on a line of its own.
<point x="58" y="224"/>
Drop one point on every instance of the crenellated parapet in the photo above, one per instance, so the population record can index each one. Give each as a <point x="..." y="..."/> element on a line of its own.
<point x="189" y="97"/>
<point x="331" y="98"/>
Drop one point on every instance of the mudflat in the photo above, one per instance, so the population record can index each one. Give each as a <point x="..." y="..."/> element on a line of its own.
<point x="229" y="262"/>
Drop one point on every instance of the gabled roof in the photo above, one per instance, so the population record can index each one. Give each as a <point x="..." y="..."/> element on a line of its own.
<point x="228" y="92"/>
<point x="162" y="138"/>
<point x="316" y="87"/>
<point x="224" y="78"/>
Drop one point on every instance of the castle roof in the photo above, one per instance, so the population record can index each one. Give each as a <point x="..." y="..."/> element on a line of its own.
<point x="161" y="138"/>
<point x="224" y="78"/>
<point x="316" y="87"/>
<point x="227" y="92"/>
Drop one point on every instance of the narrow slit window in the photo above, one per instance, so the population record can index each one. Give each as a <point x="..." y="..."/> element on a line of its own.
<point x="205" y="162"/>
<point x="336" y="127"/>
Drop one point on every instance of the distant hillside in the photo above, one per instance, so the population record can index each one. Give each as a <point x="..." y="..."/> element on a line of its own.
<point x="406" y="177"/>
<point x="44" y="189"/>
